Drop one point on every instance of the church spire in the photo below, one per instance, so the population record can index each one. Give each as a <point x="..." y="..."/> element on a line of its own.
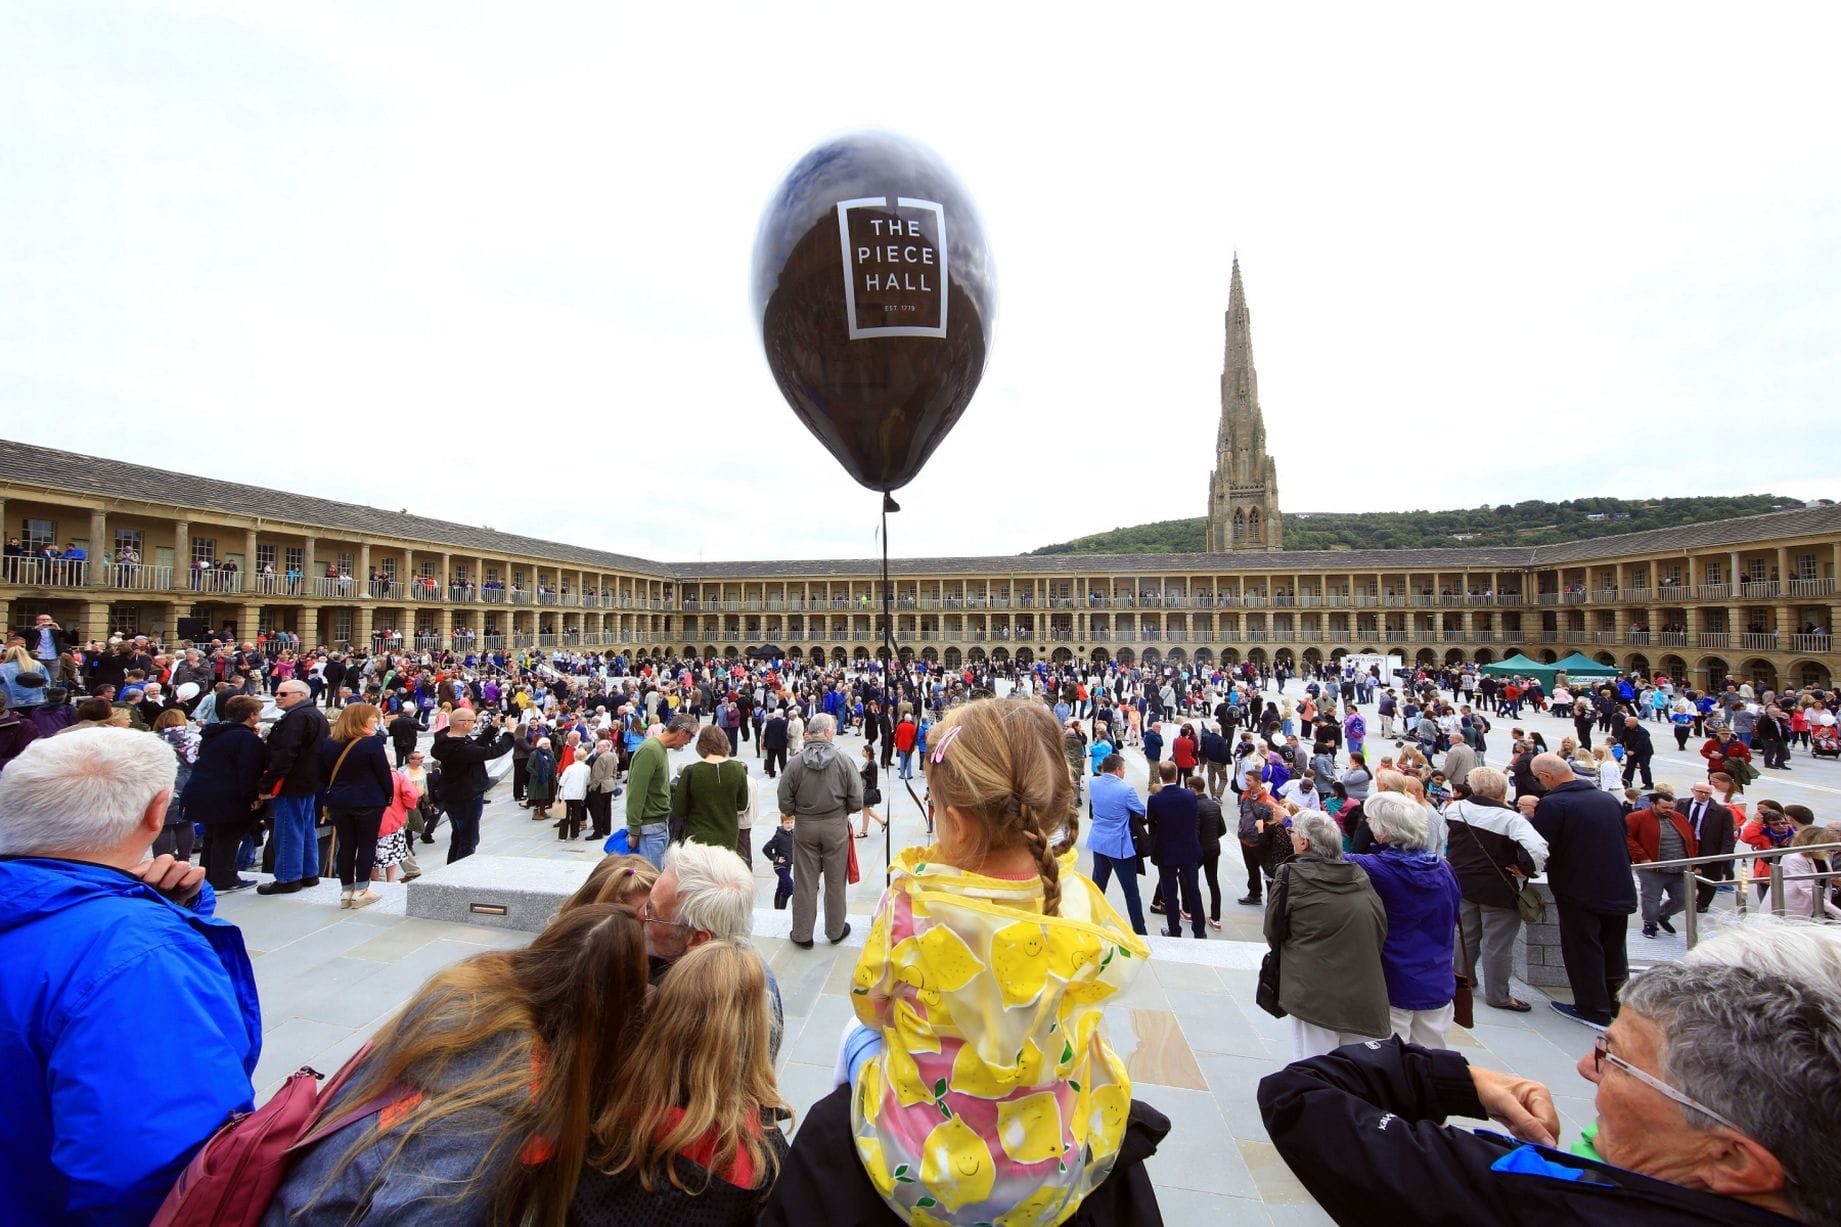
<point x="1243" y="492"/>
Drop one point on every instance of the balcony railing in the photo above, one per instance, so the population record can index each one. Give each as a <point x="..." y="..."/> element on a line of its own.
<point x="1812" y="587"/>
<point x="1819" y="642"/>
<point x="139" y="577"/>
<point x="1715" y="639"/>
<point x="1672" y="639"/>
<point x="1759" y="641"/>
<point x="1759" y="587"/>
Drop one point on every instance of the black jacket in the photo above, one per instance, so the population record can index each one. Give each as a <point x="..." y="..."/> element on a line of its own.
<point x="1635" y="740"/>
<point x="226" y="777"/>
<point x="1713" y="830"/>
<point x="404" y="730"/>
<point x="1382" y="1105"/>
<point x="822" y="1180"/>
<point x="1213" y="824"/>
<point x="1588" y="855"/>
<point x="294" y="752"/>
<point x="1174" y="822"/>
<point x="1481" y="850"/>
<point x="773" y="733"/>
<point x="463" y="762"/>
<point x="364" y="781"/>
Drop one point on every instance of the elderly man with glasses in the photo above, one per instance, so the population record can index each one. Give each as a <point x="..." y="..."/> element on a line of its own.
<point x="293" y="776"/>
<point x="1718" y="1096"/>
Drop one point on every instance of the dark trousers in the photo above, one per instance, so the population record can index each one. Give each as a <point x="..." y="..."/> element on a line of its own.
<point x="1681" y="736"/>
<point x="1592" y="943"/>
<point x="1183" y="878"/>
<point x="573" y="813"/>
<point x="601" y="813"/>
<point x="744" y="846"/>
<point x="1127" y="868"/>
<point x="776" y="761"/>
<point x="783" y="890"/>
<point x="1635" y="763"/>
<point x="520" y="777"/>
<point x="1256" y="877"/>
<point x="175" y="840"/>
<point x="355" y="849"/>
<point x="223" y="840"/>
<point x="1582" y="726"/>
<point x="1703" y="892"/>
<point x="1211" y="873"/>
<point x="403" y="753"/>
<point x="1776" y="753"/>
<point x="463" y="838"/>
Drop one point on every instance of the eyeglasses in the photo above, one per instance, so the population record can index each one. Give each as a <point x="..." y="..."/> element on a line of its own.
<point x="1601" y="1055"/>
<point x="653" y="918"/>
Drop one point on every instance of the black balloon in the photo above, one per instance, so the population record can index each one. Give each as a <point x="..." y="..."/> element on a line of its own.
<point x="875" y="294"/>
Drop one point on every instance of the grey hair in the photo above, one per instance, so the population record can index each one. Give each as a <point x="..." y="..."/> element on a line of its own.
<point x="1398" y="821"/>
<point x="821" y="726"/>
<point x="1320" y="831"/>
<point x="1749" y="1034"/>
<point x="1487" y="782"/>
<point x="681" y="724"/>
<point x="82" y="792"/>
<point x="715" y="889"/>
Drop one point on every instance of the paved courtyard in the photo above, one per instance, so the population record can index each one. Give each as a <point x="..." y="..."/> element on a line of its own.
<point x="1192" y="1037"/>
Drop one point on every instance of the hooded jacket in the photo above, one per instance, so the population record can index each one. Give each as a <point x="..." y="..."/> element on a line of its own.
<point x="1421" y="895"/>
<point x="820" y="784"/>
<point x="227" y="775"/>
<point x="96" y="1129"/>
<point x="1329" y="938"/>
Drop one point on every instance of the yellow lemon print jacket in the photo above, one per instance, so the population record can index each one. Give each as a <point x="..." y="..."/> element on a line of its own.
<point x="996" y="1098"/>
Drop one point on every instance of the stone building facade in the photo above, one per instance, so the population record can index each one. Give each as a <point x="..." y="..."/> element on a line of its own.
<point x="1754" y="597"/>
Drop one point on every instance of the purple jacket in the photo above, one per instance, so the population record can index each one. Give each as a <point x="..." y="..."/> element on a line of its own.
<point x="1421" y="895"/>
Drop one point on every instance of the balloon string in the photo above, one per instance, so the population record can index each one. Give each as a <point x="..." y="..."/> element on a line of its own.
<point x="893" y="661"/>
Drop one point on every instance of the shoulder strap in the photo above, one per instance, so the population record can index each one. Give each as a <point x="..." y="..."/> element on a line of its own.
<point x="1500" y="872"/>
<point x="335" y="767"/>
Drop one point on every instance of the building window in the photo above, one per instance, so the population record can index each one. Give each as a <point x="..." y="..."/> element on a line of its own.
<point x="1716" y="574"/>
<point x="492" y="575"/>
<point x="204" y="549"/>
<point x="265" y="556"/>
<point x="127" y="539"/>
<point x="427" y="570"/>
<point x="297" y="558"/>
<point x="124" y="619"/>
<point x="342" y="626"/>
<point x="345" y="564"/>
<point x="390" y="569"/>
<point x="1755" y="568"/>
<point x="1805" y="566"/>
<point x="38" y="535"/>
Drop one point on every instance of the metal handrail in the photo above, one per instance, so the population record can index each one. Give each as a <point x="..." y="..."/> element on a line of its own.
<point x="1691" y="915"/>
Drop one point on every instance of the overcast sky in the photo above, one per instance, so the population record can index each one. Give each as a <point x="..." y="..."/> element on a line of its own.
<point x="490" y="263"/>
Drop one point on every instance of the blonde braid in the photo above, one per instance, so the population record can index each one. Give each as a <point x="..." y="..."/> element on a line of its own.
<point x="1046" y="864"/>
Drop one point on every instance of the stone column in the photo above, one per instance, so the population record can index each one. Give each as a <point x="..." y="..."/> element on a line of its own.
<point x="364" y="624"/>
<point x="182" y="554"/>
<point x="97" y="575"/>
<point x="308" y="565"/>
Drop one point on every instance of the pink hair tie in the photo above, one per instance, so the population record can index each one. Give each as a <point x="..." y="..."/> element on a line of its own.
<point x="939" y="751"/>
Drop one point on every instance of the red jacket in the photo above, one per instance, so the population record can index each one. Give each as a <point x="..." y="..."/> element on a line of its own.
<point x="1643" y="833"/>
<point x="1182" y="753"/>
<point x="905" y="734"/>
<point x="1716" y="754"/>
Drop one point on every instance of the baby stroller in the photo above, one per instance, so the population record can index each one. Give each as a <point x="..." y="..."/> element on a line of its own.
<point x="1825" y="742"/>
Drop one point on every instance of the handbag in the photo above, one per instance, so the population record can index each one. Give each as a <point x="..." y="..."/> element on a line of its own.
<point x="1461" y="1004"/>
<point x="852" y="876"/>
<point x="1528" y="901"/>
<point x="326" y="814"/>
<point x="1266" y="993"/>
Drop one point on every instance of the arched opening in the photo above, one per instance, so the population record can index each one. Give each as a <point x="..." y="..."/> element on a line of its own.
<point x="953" y="660"/>
<point x="1548" y="656"/>
<point x="1812" y="673"/>
<point x="1240" y="525"/>
<point x="1000" y="656"/>
<point x="1674" y="667"/>
<point x="882" y="652"/>
<point x="1713" y="671"/>
<point x="1425" y="656"/>
<point x="906" y="654"/>
<point x="1454" y="656"/>
<point x="1177" y="657"/>
<point x="1204" y="657"/>
<point x="1062" y="656"/>
<point x="709" y="651"/>
<point x="1484" y="656"/>
<point x="1253" y="533"/>
<point x="1605" y="658"/>
<point x="1761" y="673"/>
<point x="1099" y="656"/>
<point x="930" y="654"/>
<point x="1126" y="657"/>
<point x="795" y="654"/>
<point x="730" y="652"/>
<point x="1024" y="656"/>
<point x="1636" y="662"/>
<point x="976" y="656"/>
<point x="1402" y="653"/>
<point x="861" y="656"/>
<point x="1370" y="651"/>
<point x="839" y="656"/>
<point x="1312" y="656"/>
<point x="1256" y="656"/>
<point x="1151" y="656"/>
<point x="1229" y="657"/>
<point x="690" y="649"/>
<point x="1284" y="658"/>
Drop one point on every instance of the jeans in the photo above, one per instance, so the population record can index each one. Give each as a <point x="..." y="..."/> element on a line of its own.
<point x="297" y="850"/>
<point x="652" y="840"/>
<point x="356" y="851"/>
<point x="783" y="889"/>
<point x="1127" y="868"/>
<point x="907" y="764"/>
<point x="463" y="823"/>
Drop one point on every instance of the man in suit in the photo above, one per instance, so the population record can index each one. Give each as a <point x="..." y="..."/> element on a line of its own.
<point x="1714" y="832"/>
<point x="1588" y="869"/>
<point x="774" y="741"/>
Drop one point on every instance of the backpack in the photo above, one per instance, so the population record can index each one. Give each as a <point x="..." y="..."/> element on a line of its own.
<point x="233" y="1177"/>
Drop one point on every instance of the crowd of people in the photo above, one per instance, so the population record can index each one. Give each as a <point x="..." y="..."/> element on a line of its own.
<point x="621" y="1068"/>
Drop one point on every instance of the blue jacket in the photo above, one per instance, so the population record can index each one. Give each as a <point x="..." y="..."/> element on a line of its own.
<point x="1174" y="821"/>
<point x="1421" y="895"/>
<point x="1114" y="802"/>
<point x="104" y="980"/>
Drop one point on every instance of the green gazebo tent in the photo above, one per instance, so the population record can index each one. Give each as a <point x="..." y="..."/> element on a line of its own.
<point x="1574" y="666"/>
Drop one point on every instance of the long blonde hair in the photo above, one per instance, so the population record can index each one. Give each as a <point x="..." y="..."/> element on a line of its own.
<point x="17" y="655"/>
<point x="554" y="1016"/>
<point x="1001" y="763"/>
<point x="704" y="1052"/>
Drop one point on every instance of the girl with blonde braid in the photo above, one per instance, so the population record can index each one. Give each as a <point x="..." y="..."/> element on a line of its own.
<point x="984" y="1089"/>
